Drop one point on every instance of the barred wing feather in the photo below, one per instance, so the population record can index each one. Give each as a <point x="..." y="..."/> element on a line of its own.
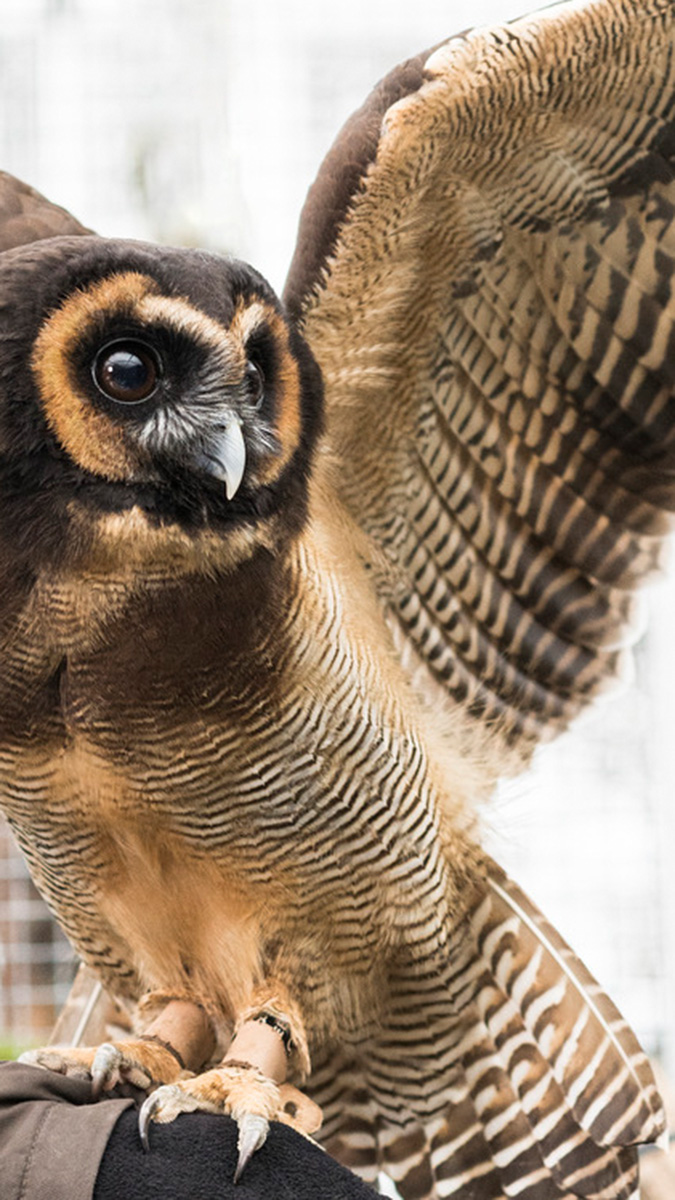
<point x="526" y="1083"/>
<point x="485" y="272"/>
<point x="492" y="309"/>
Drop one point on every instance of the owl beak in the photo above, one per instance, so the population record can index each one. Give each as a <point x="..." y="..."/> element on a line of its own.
<point x="224" y="456"/>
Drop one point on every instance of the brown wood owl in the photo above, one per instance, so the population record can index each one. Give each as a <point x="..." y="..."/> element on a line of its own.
<point x="286" y="588"/>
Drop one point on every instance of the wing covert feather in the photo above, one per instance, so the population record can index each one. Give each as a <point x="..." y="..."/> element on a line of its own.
<point x="492" y="310"/>
<point x="27" y="216"/>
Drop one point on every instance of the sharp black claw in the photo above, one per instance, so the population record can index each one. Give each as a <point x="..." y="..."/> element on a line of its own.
<point x="144" y="1118"/>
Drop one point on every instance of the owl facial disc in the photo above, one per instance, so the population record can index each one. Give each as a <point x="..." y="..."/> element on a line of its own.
<point x="224" y="456"/>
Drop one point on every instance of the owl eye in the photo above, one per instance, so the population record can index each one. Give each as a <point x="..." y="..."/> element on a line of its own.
<point x="255" y="383"/>
<point x="127" y="372"/>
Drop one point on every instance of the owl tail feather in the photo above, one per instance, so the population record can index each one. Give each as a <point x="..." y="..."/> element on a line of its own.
<point x="535" y="1086"/>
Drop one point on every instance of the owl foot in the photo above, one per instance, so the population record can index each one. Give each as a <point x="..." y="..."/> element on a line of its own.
<point x="243" y="1092"/>
<point x="141" y="1063"/>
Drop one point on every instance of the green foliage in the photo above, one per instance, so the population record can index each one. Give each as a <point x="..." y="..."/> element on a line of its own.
<point x="10" y="1049"/>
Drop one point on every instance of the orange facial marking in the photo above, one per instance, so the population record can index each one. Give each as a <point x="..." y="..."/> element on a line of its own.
<point x="288" y="415"/>
<point x="94" y="440"/>
<point x="91" y="439"/>
<point x="247" y="319"/>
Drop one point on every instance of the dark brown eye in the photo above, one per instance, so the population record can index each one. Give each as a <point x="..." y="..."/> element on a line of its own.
<point x="127" y="372"/>
<point x="255" y="383"/>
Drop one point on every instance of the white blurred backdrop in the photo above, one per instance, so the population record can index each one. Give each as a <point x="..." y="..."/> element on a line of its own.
<point x="203" y="122"/>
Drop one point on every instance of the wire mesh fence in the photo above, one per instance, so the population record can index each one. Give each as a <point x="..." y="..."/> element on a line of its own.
<point x="37" y="964"/>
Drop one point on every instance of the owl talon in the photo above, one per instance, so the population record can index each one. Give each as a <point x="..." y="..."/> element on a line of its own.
<point x="239" y="1090"/>
<point x="137" y="1063"/>
<point x="111" y="1066"/>
<point x="98" y="1078"/>
<point x="253" y="1130"/>
<point x="52" y="1058"/>
<point x="105" y="1068"/>
<point x="145" y="1117"/>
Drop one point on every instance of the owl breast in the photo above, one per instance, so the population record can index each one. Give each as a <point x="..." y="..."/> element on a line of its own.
<point x="231" y="782"/>
<point x="195" y="875"/>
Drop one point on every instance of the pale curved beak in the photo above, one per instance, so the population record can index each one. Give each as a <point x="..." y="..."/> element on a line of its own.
<point x="224" y="456"/>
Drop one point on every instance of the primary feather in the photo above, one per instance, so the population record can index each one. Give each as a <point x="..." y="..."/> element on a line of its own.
<point x="520" y="482"/>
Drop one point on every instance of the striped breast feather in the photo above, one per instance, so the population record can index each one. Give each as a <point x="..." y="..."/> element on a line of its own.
<point x="495" y="323"/>
<point x="535" y="1086"/>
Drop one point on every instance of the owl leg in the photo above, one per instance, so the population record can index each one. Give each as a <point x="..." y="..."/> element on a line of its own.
<point x="179" y="1040"/>
<point x="249" y="1084"/>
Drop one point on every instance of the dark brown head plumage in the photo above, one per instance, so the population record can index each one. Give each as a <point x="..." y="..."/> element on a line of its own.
<point x="214" y="359"/>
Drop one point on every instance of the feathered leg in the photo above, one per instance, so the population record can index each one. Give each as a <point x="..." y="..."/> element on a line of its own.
<point x="249" y="1083"/>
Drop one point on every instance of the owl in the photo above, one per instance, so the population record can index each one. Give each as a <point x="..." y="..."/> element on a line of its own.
<point x="288" y="586"/>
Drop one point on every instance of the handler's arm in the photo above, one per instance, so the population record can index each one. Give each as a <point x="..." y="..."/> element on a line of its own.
<point x="51" y="1136"/>
<point x="56" y="1145"/>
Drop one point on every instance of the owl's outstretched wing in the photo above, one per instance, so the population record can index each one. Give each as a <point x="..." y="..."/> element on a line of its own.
<point x="27" y="216"/>
<point x="484" y="274"/>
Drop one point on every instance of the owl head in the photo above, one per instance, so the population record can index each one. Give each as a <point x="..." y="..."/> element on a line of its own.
<point x="153" y="390"/>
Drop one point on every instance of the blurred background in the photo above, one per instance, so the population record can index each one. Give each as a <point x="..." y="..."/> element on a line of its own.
<point x="203" y="122"/>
